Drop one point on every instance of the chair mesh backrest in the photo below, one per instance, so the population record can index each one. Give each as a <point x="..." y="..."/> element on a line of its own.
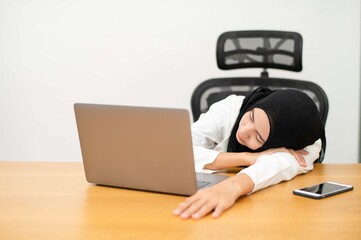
<point x="214" y="90"/>
<point x="262" y="49"/>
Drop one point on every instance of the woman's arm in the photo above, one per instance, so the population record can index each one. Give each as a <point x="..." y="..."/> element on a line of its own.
<point x="280" y="166"/>
<point x="234" y="159"/>
<point x="231" y="159"/>
<point x="268" y="170"/>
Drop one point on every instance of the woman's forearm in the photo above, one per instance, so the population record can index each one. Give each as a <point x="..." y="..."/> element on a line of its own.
<point x="231" y="159"/>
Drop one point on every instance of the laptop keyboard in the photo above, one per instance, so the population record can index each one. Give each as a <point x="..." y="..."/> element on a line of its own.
<point x="201" y="184"/>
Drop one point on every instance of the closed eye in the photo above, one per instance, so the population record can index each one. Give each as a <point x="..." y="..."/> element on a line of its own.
<point x="259" y="139"/>
<point x="258" y="136"/>
<point x="251" y="115"/>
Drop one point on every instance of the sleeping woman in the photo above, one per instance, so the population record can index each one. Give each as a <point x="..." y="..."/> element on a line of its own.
<point x="275" y="134"/>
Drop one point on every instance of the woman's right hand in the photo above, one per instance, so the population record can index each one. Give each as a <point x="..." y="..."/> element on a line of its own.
<point x="215" y="199"/>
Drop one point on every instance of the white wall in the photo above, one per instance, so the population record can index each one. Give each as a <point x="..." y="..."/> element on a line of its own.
<point x="154" y="53"/>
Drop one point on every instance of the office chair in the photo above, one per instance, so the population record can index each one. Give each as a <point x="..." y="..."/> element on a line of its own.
<point x="257" y="49"/>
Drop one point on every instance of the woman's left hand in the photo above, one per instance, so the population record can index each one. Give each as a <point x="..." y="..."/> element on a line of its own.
<point x="298" y="154"/>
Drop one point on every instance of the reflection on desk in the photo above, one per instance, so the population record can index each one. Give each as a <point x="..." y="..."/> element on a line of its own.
<point x="54" y="201"/>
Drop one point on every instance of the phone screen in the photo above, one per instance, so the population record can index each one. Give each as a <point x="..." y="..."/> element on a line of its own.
<point x="323" y="190"/>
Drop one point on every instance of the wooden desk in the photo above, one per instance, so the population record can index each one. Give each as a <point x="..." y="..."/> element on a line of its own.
<point x="54" y="201"/>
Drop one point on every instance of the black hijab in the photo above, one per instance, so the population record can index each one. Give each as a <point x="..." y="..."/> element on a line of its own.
<point x="294" y="120"/>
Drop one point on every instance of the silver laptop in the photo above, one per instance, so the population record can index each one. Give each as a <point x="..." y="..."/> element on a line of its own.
<point x="139" y="148"/>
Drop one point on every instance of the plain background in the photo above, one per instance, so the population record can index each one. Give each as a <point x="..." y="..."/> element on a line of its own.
<point x="154" y="53"/>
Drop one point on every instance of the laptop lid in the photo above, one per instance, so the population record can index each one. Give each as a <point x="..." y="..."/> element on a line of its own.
<point x="137" y="147"/>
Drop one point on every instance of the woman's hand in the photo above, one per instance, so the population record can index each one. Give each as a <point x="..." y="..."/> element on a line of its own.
<point x="217" y="198"/>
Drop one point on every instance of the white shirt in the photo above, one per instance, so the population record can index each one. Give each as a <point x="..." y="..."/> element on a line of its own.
<point x="210" y="135"/>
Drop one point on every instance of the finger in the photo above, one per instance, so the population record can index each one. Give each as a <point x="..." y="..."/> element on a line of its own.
<point x="299" y="157"/>
<point x="302" y="151"/>
<point x="218" y="211"/>
<point x="204" y="210"/>
<point x="194" y="208"/>
<point x="184" y="205"/>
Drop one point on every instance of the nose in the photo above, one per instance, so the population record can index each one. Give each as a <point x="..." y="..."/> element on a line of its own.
<point x="245" y="131"/>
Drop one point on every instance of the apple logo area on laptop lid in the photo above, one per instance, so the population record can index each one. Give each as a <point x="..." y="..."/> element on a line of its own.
<point x="139" y="148"/>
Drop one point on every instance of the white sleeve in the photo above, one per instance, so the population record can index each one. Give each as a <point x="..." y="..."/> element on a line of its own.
<point x="281" y="166"/>
<point x="212" y="128"/>
<point x="203" y="156"/>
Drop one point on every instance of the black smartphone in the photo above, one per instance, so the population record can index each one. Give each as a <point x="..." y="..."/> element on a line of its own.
<point x="323" y="190"/>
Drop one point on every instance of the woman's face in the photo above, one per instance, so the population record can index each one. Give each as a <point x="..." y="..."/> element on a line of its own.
<point x="254" y="129"/>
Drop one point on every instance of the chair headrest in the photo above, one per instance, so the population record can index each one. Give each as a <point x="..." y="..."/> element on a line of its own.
<point x="260" y="49"/>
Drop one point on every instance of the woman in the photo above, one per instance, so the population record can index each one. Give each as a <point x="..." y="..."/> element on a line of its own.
<point x="276" y="133"/>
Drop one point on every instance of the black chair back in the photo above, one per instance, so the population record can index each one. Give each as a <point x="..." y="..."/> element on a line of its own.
<point x="257" y="49"/>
